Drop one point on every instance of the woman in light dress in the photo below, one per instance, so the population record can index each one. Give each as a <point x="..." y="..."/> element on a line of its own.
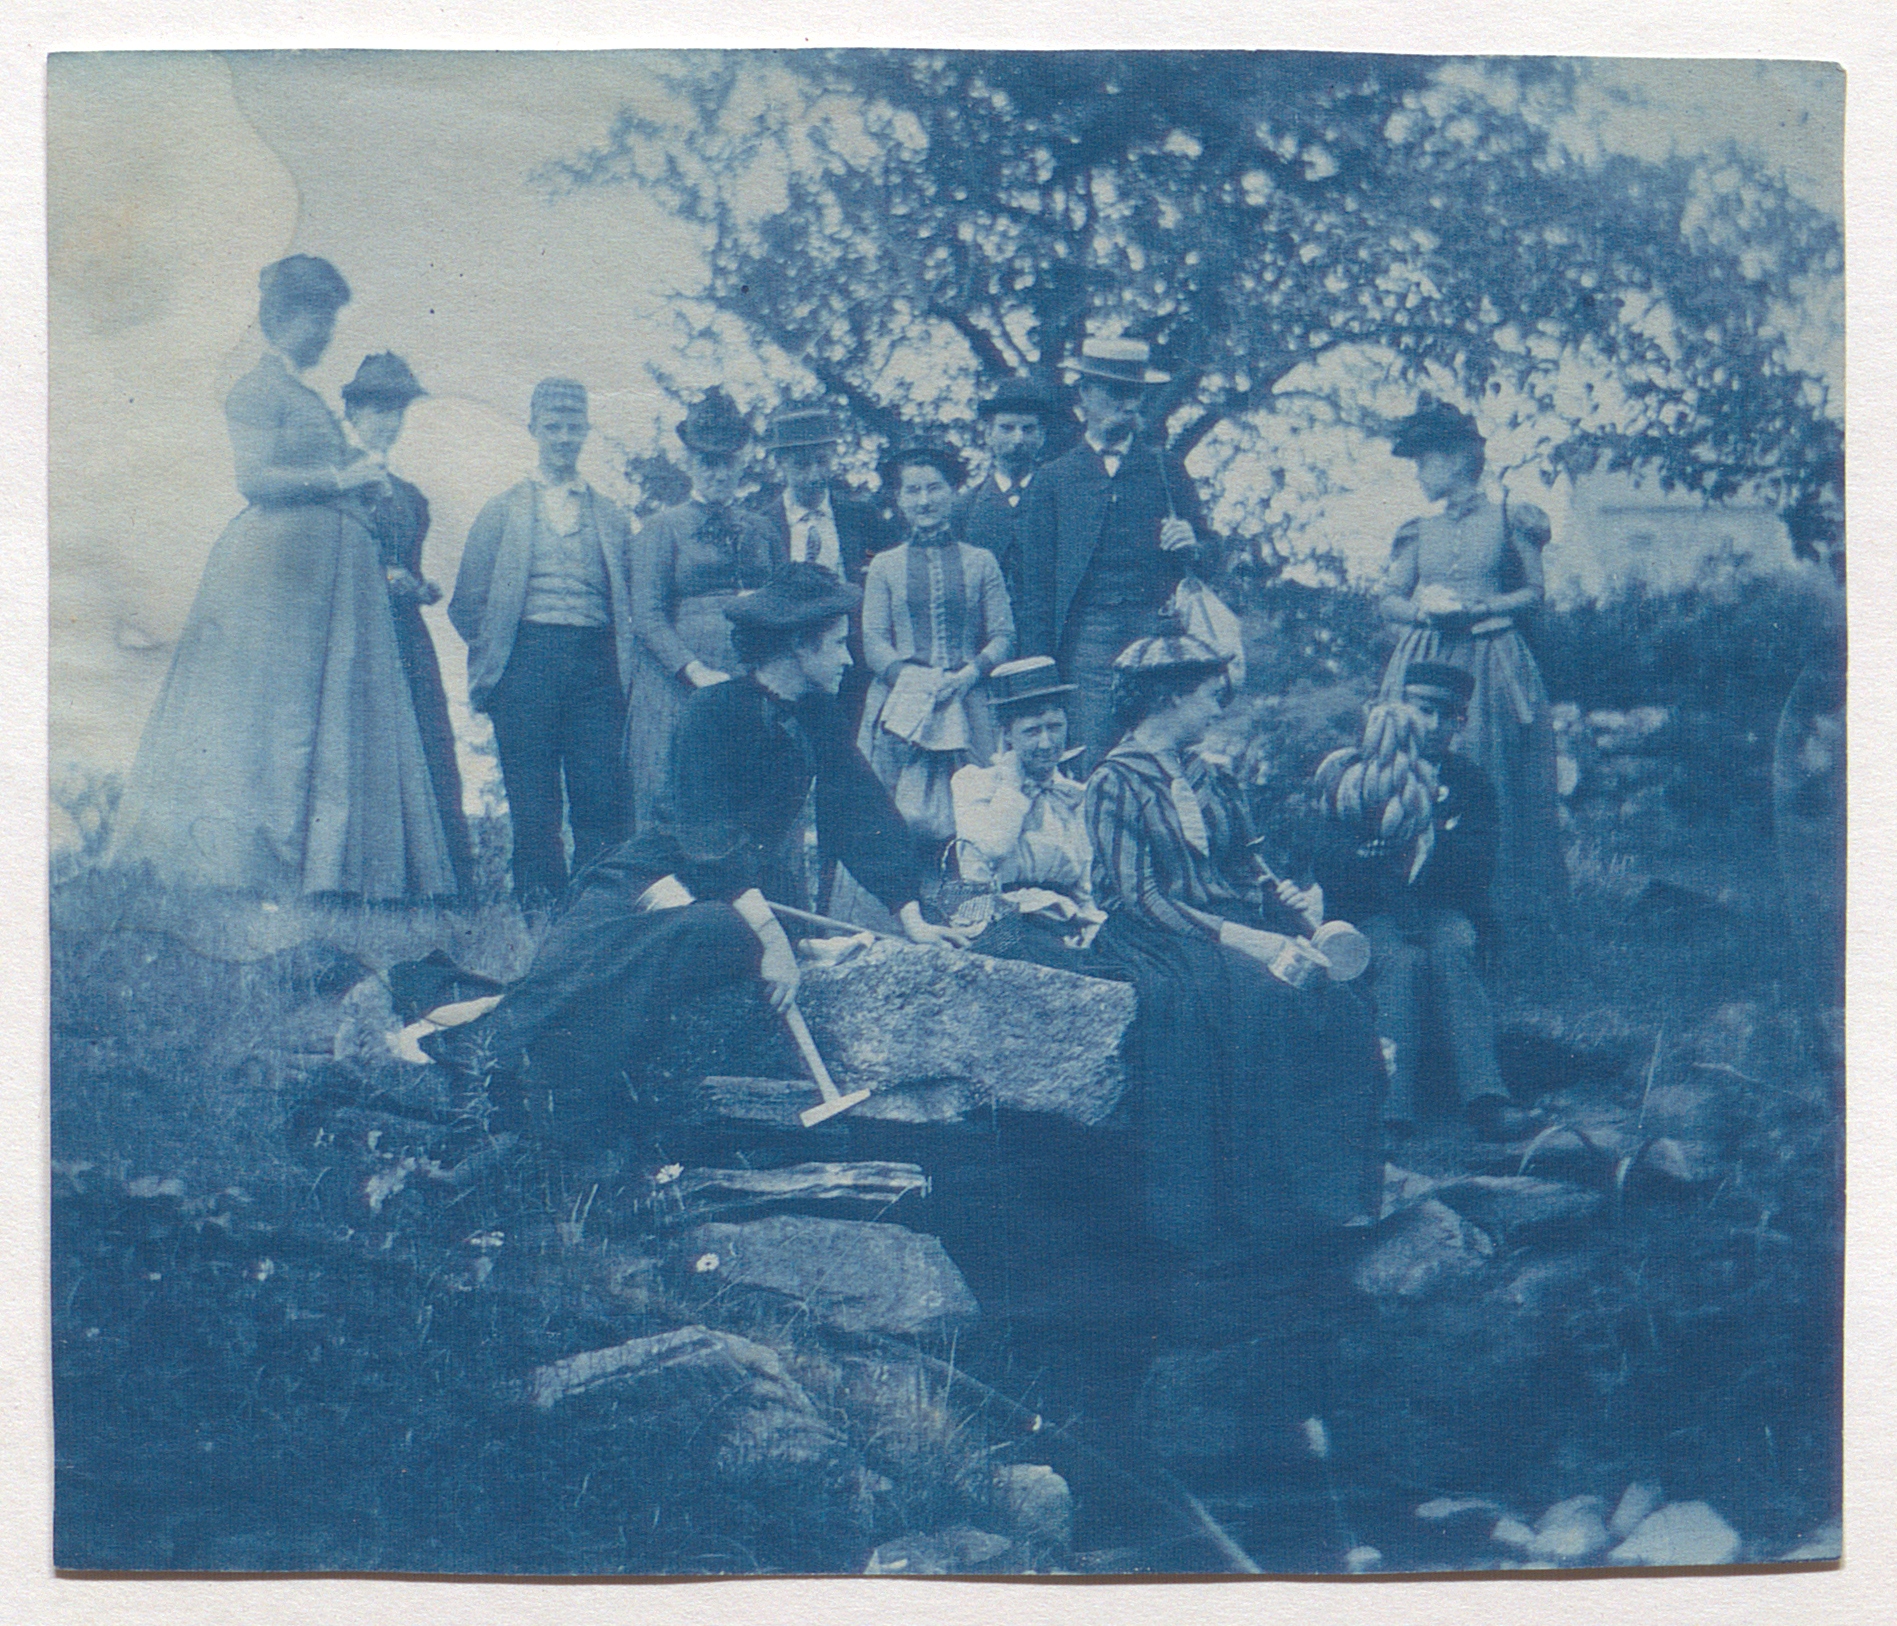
<point x="283" y="755"/>
<point x="1460" y="585"/>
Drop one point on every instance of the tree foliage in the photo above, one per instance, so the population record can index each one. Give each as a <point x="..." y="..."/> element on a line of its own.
<point x="901" y="225"/>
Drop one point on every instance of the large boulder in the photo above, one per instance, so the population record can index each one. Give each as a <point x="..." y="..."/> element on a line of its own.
<point x="937" y="1035"/>
<point x="1424" y="1248"/>
<point x="852" y="1274"/>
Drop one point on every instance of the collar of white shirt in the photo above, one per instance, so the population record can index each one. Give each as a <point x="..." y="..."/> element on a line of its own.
<point x="798" y="514"/>
<point x="1111" y="455"/>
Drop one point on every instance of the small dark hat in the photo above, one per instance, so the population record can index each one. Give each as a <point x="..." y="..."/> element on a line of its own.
<point x="1013" y="684"/>
<point x="932" y="452"/>
<point x="1435" y="426"/>
<point x="1122" y="361"/>
<point x="714" y="424"/>
<point x="1439" y="677"/>
<point x="383" y="380"/>
<point x="302" y="281"/>
<point x="1019" y="395"/>
<point x="800" y="426"/>
<point x="797" y="595"/>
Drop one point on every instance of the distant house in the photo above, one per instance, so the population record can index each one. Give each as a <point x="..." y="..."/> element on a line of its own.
<point x="1618" y="532"/>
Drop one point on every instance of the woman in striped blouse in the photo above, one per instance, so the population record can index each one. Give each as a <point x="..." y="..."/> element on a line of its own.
<point x="1258" y="1112"/>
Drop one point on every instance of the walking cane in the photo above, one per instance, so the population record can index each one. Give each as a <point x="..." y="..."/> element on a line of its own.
<point x="834" y="1100"/>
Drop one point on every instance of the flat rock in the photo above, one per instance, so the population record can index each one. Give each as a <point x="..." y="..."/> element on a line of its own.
<point x="1636" y="1502"/>
<point x="1681" y="1533"/>
<point x="959" y="1550"/>
<point x="1512" y="1206"/>
<point x="1825" y="1544"/>
<point x="936" y="1033"/>
<point x="1571" y="1531"/>
<point x="856" y="1275"/>
<point x="1429" y="1246"/>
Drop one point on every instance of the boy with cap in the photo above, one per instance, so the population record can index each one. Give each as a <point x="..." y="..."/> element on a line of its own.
<point x="543" y="600"/>
<point x="1110" y="530"/>
<point x="1422" y="918"/>
<point x="683" y="908"/>
<point x="1014" y="429"/>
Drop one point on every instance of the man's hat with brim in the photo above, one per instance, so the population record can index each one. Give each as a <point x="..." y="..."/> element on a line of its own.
<point x="1015" y="685"/>
<point x="714" y="425"/>
<point x="1119" y="361"/>
<point x="797" y="595"/>
<point x="1435" y="426"/>
<point x="383" y="381"/>
<point x="800" y="426"/>
<point x="934" y="453"/>
<point x="1021" y="396"/>
<point x="1441" y="681"/>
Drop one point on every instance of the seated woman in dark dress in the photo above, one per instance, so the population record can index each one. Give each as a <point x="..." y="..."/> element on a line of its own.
<point x="1260" y="1078"/>
<point x="683" y="909"/>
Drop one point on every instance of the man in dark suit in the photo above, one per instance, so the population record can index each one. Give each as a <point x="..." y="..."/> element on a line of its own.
<point x="1014" y="429"/>
<point x="815" y="522"/>
<point x="1110" y="529"/>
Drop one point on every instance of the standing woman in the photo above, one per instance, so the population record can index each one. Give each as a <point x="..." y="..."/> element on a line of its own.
<point x="936" y="622"/>
<point x="1459" y="585"/>
<point x="283" y="754"/>
<point x="375" y="402"/>
<point x="688" y="563"/>
<point x="1256" y="1116"/>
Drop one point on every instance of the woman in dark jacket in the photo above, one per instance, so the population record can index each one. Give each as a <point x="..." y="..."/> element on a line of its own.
<point x="375" y="402"/>
<point x="1257" y="1115"/>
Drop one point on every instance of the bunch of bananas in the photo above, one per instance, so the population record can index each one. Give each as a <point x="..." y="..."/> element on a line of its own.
<point x="1382" y="789"/>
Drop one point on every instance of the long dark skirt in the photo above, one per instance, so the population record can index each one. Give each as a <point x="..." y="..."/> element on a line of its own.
<point x="597" y="996"/>
<point x="1255" y="1103"/>
<point x="417" y="652"/>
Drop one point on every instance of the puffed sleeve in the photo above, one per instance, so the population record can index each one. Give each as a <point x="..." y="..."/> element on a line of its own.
<point x="1528" y="525"/>
<point x="1399" y="576"/>
<point x="997" y="612"/>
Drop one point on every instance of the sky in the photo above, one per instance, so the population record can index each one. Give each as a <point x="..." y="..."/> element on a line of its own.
<point x="174" y="177"/>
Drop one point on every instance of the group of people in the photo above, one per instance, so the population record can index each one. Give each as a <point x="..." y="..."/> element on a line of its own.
<point x="744" y="704"/>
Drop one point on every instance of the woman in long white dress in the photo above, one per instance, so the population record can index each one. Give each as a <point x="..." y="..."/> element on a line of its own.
<point x="283" y="755"/>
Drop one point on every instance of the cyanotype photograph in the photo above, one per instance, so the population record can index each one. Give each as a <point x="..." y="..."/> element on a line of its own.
<point x="938" y="813"/>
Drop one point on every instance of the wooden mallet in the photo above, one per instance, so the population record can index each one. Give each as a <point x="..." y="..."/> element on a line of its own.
<point x="834" y="1100"/>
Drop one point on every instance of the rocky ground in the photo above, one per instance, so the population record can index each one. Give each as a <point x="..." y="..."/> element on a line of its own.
<point x="305" y="1315"/>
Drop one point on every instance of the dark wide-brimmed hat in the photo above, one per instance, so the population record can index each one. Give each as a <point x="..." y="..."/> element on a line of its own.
<point x="383" y="381"/>
<point x="1018" y="395"/>
<point x="800" y="426"/>
<point x="1441" y="681"/>
<point x="797" y="595"/>
<point x="1435" y="426"/>
<point x="936" y="454"/>
<point x="714" y="424"/>
<point x="1014" y="685"/>
<point x="1121" y="361"/>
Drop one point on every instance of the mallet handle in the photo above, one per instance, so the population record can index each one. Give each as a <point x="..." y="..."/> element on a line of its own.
<point x="800" y="1031"/>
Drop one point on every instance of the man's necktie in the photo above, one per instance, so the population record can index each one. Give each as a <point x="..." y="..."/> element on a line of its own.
<point x="812" y="547"/>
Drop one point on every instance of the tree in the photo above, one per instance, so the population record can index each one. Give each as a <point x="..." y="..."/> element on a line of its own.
<point x="902" y="225"/>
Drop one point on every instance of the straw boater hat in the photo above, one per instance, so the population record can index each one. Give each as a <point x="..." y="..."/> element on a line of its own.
<point x="715" y="425"/>
<point x="1122" y="361"/>
<point x="1018" y="395"/>
<point x="800" y="426"/>
<point x="1014" y="685"/>
<point x="1435" y="426"/>
<point x="1441" y="681"/>
<point x="383" y="381"/>
<point x="797" y="595"/>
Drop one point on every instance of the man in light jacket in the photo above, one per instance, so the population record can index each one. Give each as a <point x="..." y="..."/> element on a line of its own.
<point x="543" y="600"/>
